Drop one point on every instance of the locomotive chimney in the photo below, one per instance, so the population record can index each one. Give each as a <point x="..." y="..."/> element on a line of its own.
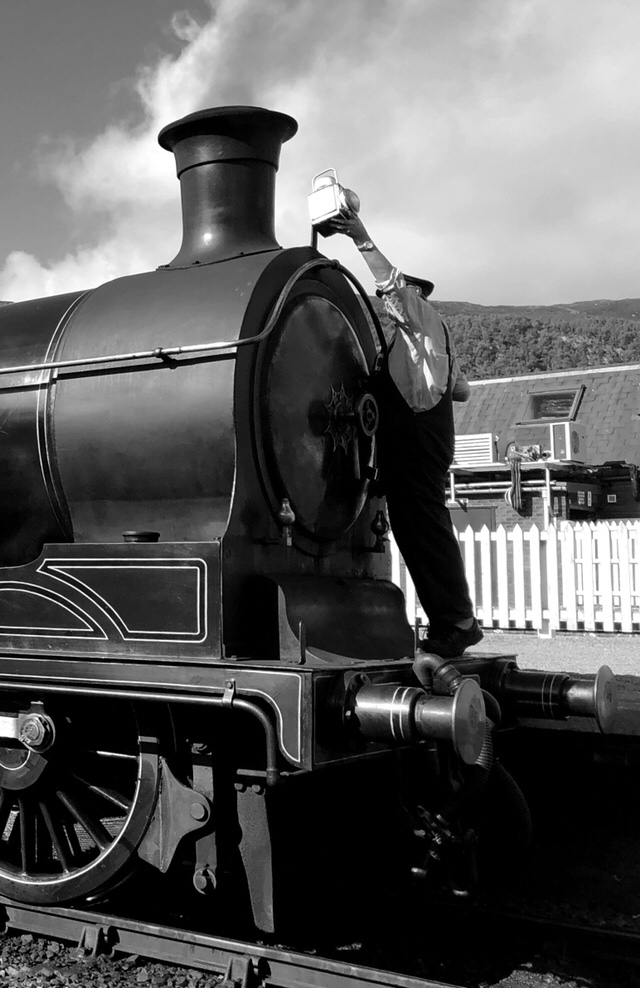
<point x="226" y="160"/>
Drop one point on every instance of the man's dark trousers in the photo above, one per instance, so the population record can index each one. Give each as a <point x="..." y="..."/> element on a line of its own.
<point x="415" y="451"/>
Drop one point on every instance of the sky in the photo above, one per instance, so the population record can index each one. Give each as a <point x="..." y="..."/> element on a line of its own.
<point x="494" y="144"/>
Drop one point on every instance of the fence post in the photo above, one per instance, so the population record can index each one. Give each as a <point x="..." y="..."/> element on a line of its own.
<point x="502" y="574"/>
<point x="484" y="538"/>
<point x="553" y="596"/>
<point x="538" y="592"/>
<point x="604" y="575"/>
<point x="468" y="538"/>
<point x="624" y="574"/>
<point x="519" y="608"/>
<point x="568" y="556"/>
<point x="588" y="574"/>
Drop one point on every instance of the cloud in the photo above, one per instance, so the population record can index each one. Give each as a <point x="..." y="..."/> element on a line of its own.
<point x="493" y="143"/>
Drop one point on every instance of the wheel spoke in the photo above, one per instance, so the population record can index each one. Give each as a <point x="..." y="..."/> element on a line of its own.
<point x="120" y="755"/>
<point x="6" y="805"/>
<point x="27" y="835"/>
<point x="110" y="797"/>
<point x="42" y="842"/>
<point x="121" y="803"/>
<point x="56" y="837"/>
<point x="72" y="838"/>
<point x="94" y="828"/>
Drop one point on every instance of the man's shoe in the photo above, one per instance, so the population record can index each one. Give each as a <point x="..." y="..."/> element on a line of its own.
<point x="448" y="643"/>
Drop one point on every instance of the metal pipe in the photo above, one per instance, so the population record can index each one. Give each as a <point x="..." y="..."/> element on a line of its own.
<point x="499" y="485"/>
<point x="547" y="505"/>
<point x="159" y="352"/>
<point x="231" y="702"/>
<point x="437" y="674"/>
<point x="462" y="491"/>
<point x="452" y="486"/>
<point x="162" y="353"/>
<point x="492" y="707"/>
<point x="483" y="483"/>
<point x="270" y="735"/>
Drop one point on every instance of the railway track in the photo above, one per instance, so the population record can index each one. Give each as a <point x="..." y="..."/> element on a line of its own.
<point x="576" y="938"/>
<point x="242" y="964"/>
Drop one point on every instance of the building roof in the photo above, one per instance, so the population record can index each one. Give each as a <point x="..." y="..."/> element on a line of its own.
<point x="608" y="414"/>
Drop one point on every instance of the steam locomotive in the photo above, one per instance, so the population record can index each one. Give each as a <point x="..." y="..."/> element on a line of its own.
<point x="206" y="673"/>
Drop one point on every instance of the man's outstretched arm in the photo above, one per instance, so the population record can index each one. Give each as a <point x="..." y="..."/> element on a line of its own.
<point x="350" y="225"/>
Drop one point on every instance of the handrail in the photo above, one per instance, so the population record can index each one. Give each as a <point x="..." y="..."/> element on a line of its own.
<point x="234" y="702"/>
<point x="165" y="353"/>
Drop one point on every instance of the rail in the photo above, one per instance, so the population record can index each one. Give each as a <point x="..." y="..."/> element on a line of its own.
<point x="252" y="964"/>
<point x="166" y="354"/>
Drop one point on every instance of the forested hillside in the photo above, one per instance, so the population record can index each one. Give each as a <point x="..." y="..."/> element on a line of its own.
<point x="500" y="341"/>
<point x="508" y="340"/>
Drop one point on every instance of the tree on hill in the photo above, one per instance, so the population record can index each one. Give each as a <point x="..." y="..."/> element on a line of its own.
<point x="492" y="345"/>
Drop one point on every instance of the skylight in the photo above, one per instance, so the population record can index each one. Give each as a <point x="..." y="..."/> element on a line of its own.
<point x="552" y="406"/>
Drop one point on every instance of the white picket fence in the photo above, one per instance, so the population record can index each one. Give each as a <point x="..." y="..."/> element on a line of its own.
<point x="581" y="576"/>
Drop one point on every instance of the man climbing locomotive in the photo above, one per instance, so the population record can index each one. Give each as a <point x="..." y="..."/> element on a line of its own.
<point x="419" y="380"/>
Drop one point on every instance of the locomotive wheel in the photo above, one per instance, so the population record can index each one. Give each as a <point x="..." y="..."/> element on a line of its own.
<point x="72" y="816"/>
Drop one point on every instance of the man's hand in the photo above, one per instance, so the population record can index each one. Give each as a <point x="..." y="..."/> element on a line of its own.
<point x="349" y="224"/>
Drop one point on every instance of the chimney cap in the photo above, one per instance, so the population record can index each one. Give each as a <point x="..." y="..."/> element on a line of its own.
<point x="238" y="132"/>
